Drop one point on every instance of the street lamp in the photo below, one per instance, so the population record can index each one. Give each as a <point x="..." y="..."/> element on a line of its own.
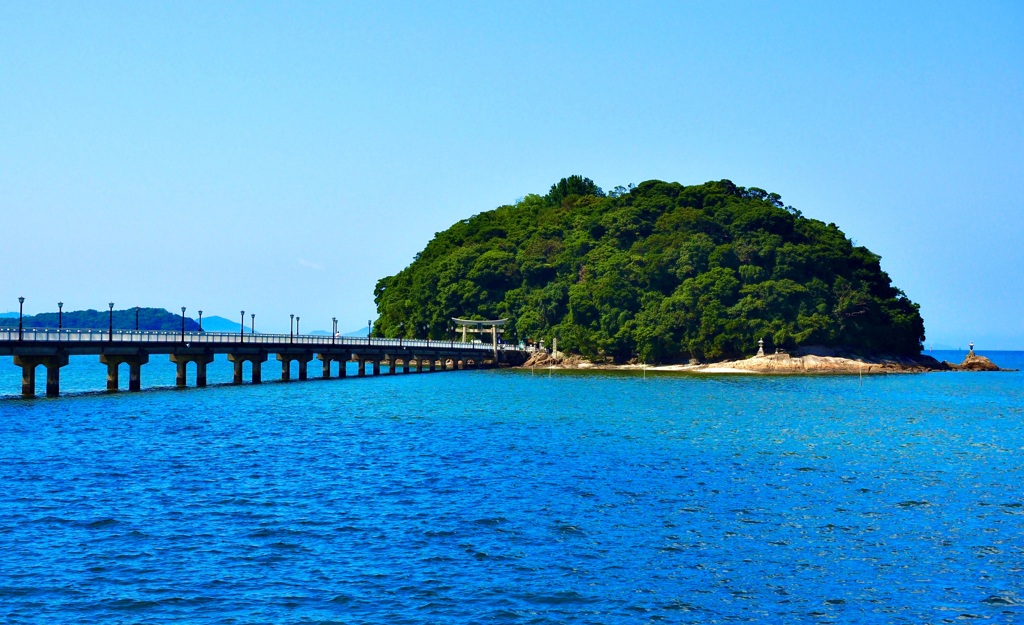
<point x="297" y="333"/>
<point x="241" y="328"/>
<point x="334" y="329"/>
<point x="110" y="335"/>
<point x="60" y="316"/>
<point x="252" y="324"/>
<point x="21" y="310"/>
<point x="291" y="329"/>
<point x="137" y="318"/>
<point x="182" y="324"/>
<point x="200" y="321"/>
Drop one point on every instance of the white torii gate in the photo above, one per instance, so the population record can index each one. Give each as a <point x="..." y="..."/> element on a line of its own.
<point x="478" y="326"/>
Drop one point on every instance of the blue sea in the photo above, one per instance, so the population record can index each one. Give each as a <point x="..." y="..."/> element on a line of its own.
<point x="509" y="496"/>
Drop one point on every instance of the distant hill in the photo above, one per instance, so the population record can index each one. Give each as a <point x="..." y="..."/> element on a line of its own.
<point x="149" y="319"/>
<point x="9" y="314"/>
<point x="221" y="324"/>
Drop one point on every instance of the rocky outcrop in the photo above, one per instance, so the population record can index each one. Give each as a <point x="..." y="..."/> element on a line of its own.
<point x="975" y="363"/>
<point x="812" y="364"/>
<point x="784" y="363"/>
<point x="561" y="360"/>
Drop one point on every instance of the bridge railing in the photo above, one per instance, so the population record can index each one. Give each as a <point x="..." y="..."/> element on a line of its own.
<point x="136" y="337"/>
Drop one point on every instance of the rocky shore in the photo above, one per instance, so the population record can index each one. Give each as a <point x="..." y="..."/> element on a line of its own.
<point x="782" y="364"/>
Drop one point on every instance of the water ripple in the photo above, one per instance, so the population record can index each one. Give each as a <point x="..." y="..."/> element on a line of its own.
<point x="502" y="497"/>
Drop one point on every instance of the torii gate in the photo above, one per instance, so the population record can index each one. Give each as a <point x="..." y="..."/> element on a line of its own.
<point x="477" y="326"/>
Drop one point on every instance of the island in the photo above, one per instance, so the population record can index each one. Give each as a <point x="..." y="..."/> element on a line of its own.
<point x="659" y="273"/>
<point x="141" y="318"/>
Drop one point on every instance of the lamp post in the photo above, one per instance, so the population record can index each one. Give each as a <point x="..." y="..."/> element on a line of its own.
<point x="110" y="335"/>
<point x="297" y="333"/>
<point x="369" y="325"/>
<point x="200" y="321"/>
<point x="21" y="310"/>
<point x="241" y="328"/>
<point x="60" y="316"/>
<point x="334" y="329"/>
<point x="291" y="331"/>
<point x="182" y="324"/>
<point x="252" y="324"/>
<point x="137" y="318"/>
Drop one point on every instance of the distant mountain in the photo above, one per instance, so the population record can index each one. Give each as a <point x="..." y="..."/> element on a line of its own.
<point x="220" y="324"/>
<point x="148" y="319"/>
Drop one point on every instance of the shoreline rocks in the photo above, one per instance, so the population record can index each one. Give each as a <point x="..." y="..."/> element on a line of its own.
<point x="781" y="364"/>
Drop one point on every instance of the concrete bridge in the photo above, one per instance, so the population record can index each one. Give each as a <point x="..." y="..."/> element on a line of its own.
<point x="51" y="348"/>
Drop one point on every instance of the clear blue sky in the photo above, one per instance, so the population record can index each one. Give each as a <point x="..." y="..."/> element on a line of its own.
<point x="282" y="157"/>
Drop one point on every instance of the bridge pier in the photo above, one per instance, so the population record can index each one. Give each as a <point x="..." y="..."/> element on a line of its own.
<point x="182" y="359"/>
<point x="28" y="366"/>
<point x="286" y="359"/>
<point x="135" y="362"/>
<point x="239" y="359"/>
<point x="135" y="375"/>
<point x="333" y="356"/>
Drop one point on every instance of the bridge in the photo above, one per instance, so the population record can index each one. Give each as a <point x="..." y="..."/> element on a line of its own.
<point x="51" y="348"/>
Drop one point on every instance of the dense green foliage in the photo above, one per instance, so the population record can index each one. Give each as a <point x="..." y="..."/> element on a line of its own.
<point x="660" y="271"/>
<point x="149" y="319"/>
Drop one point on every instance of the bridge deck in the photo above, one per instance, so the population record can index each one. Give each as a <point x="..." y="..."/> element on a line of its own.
<point x="51" y="348"/>
<point x="221" y="342"/>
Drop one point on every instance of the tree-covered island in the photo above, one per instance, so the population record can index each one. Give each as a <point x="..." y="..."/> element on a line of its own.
<point x="661" y="271"/>
<point x="126" y="319"/>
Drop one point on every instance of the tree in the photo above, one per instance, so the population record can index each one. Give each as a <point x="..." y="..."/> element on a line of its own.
<point x="573" y="185"/>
